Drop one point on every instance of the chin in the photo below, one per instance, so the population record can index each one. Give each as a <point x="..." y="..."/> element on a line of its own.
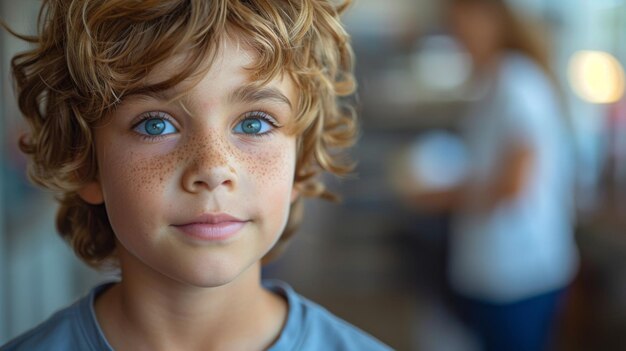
<point x="215" y="274"/>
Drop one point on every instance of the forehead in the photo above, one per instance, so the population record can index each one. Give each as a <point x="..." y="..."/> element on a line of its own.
<point x="225" y="73"/>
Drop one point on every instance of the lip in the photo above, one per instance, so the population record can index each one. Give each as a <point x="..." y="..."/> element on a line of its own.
<point x="212" y="227"/>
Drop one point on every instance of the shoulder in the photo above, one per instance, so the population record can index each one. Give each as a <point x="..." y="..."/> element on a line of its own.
<point x="54" y="333"/>
<point x="527" y="92"/>
<point x="310" y="326"/>
<point x="524" y="78"/>
<point x="520" y="66"/>
<point x="337" y="333"/>
<point x="66" y="329"/>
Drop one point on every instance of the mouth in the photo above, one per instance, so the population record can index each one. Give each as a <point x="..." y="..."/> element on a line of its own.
<point x="212" y="227"/>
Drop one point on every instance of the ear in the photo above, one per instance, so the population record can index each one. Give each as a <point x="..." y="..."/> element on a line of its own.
<point x="295" y="193"/>
<point x="91" y="193"/>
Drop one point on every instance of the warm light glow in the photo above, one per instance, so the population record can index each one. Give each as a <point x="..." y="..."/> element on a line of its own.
<point x="596" y="77"/>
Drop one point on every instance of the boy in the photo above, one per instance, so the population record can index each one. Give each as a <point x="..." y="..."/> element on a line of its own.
<point x="179" y="134"/>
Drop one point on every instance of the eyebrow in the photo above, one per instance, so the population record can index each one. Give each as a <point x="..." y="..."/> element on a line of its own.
<point x="161" y="95"/>
<point x="251" y="93"/>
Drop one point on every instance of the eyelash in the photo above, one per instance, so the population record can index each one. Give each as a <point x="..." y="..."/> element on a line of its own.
<point x="152" y="115"/>
<point x="162" y="115"/>
<point x="264" y="116"/>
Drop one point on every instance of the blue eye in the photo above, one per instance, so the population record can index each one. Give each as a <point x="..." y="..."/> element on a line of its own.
<point x="155" y="126"/>
<point x="253" y="126"/>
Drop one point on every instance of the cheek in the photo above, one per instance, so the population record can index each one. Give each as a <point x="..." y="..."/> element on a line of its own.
<point x="149" y="174"/>
<point x="135" y="184"/>
<point x="272" y="164"/>
<point x="133" y="187"/>
<point x="135" y="174"/>
<point x="271" y="173"/>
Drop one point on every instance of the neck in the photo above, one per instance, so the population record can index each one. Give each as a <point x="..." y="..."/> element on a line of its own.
<point x="486" y="62"/>
<point x="162" y="314"/>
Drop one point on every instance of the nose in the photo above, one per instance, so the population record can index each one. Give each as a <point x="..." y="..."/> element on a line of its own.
<point x="208" y="167"/>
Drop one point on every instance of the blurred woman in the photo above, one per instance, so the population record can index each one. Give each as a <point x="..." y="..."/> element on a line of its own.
<point x="512" y="252"/>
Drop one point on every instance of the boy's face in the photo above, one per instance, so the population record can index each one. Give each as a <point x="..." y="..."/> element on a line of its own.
<point x="198" y="190"/>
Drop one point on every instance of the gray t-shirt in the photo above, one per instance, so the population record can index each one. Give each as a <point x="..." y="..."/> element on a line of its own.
<point x="308" y="327"/>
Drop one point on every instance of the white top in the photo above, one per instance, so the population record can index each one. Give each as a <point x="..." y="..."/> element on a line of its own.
<point x="523" y="247"/>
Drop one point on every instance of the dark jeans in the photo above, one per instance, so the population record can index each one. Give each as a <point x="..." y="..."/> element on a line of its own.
<point x="526" y="325"/>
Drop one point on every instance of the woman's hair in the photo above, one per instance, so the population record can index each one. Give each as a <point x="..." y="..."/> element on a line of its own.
<point x="532" y="39"/>
<point x="518" y="33"/>
<point x="89" y="55"/>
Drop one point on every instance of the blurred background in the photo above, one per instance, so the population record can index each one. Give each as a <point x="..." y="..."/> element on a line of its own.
<point x="387" y="257"/>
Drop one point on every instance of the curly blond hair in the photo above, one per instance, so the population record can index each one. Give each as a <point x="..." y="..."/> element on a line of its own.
<point x="89" y="55"/>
